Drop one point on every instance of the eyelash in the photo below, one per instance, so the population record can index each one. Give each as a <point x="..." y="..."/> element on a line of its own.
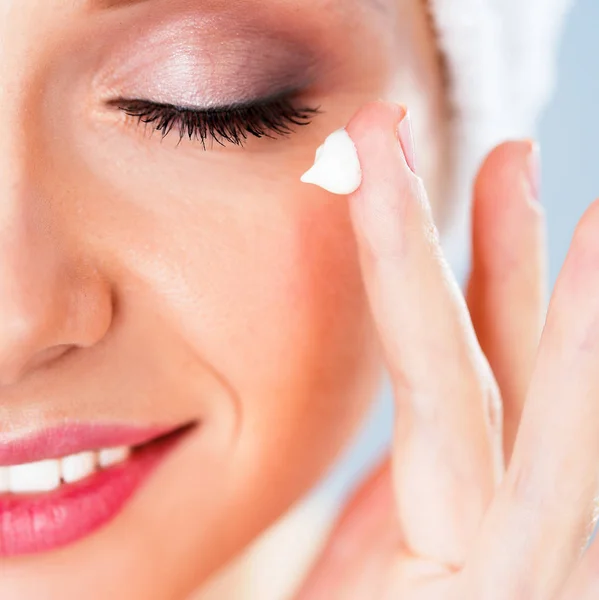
<point x="233" y="124"/>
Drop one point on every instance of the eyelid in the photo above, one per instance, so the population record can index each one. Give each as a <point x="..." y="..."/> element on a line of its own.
<point x="252" y="61"/>
<point x="288" y="95"/>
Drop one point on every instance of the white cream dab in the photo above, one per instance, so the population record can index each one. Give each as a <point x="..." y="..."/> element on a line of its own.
<point x="336" y="165"/>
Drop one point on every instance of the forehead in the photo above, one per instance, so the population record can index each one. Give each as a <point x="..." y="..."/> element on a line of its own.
<point x="379" y="5"/>
<point x="376" y="4"/>
<point x="39" y="14"/>
<point x="45" y="15"/>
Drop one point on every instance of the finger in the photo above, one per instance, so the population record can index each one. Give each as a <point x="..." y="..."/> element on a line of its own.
<point x="445" y="461"/>
<point x="584" y="583"/>
<point x="539" y="521"/>
<point x="507" y="289"/>
<point x="361" y="546"/>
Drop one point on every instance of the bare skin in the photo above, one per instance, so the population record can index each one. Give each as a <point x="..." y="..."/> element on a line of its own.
<point x="143" y="281"/>
<point x="148" y="281"/>
<point x="489" y="491"/>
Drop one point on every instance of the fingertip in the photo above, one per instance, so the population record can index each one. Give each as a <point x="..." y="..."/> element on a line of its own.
<point x="370" y="140"/>
<point x="376" y="115"/>
<point x="390" y="195"/>
<point x="506" y="192"/>
<point x="376" y="140"/>
<point x="507" y="163"/>
<point x="377" y="129"/>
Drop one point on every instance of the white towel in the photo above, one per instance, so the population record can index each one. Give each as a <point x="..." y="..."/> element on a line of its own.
<point x="501" y="57"/>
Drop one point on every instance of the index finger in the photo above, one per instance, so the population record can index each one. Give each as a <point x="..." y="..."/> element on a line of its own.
<point x="446" y="446"/>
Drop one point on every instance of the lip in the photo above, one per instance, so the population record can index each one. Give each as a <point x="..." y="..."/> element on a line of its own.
<point x="36" y="523"/>
<point x="71" y="439"/>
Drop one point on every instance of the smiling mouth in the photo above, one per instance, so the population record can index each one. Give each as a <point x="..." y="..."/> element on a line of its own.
<point x="62" y="485"/>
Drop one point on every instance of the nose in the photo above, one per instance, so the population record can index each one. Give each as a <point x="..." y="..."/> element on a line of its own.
<point x="52" y="300"/>
<point x="52" y="297"/>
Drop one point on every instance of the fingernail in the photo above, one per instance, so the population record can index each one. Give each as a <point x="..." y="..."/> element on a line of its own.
<point x="534" y="170"/>
<point x="336" y="165"/>
<point x="406" y="139"/>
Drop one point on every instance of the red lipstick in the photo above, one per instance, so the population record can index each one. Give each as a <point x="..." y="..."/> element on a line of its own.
<point x="37" y="522"/>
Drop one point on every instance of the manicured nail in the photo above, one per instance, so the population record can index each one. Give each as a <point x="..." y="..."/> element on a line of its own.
<point x="534" y="170"/>
<point x="406" y="139"/>
<point x="336" y="165"/>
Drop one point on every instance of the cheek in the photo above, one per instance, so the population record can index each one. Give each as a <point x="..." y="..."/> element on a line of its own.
<point x="250" y="276"/>
<point x="257" y="276"/>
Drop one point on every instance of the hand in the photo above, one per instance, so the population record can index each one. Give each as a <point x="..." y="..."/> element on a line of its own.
<point x="478" y="384"/>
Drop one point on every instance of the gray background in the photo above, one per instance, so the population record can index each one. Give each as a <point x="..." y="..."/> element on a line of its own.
<point x="569" y="131"/>
<point x="568" y="134"/>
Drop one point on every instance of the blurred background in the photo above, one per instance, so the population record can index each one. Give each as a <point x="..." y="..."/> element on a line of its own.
<point x="569" y="132"/>
<point x="569" y="136"/>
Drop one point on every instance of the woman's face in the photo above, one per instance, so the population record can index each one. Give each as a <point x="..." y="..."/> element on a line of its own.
<point x="148" y="282"/>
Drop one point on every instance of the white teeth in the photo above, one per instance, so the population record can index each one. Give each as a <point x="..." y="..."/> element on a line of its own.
<point x="4" y="480"/>
<point x="47" y="475"/>
<point x="78" y="466"/>
<point x="42" y="476"/>
<point x="113" y="456"/>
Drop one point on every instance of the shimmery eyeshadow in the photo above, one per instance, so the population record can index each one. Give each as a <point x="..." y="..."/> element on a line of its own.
<point x="208" y="61"/>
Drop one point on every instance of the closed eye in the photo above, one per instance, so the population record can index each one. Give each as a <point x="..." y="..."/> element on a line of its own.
<point x="271" y="117"/>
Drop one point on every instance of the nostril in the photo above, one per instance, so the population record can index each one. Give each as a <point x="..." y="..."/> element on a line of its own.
<point x="71" y="308"/>
<point x="47" y="356"/>
<point x="13" y="370"/>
